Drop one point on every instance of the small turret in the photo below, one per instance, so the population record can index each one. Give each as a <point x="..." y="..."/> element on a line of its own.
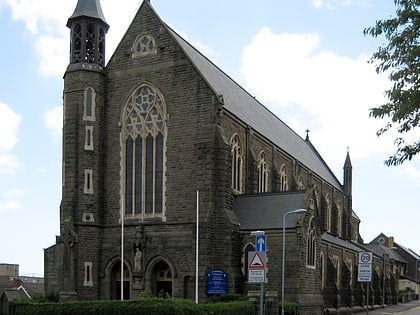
<point x="348" y="170"/>
<point x="88" y="29"/>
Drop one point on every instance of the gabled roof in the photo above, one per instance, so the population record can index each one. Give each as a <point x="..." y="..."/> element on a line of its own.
<point x="266" y="211"/>
<point x="246" y="108"/>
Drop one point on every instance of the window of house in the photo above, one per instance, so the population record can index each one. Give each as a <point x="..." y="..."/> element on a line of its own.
<point x="284" y="184"/>
<point x="89" y="104"/>
<point x="262" y="173"/>
<point x="237" y="162"/>
<point x="88" y="187"/>
<point x="311" y="245"/>
<point x="89" y="138"/>
<point x="144" y="45"/>
<point x="144" y="149"/>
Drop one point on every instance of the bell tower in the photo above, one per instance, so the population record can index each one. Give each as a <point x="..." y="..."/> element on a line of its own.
<point x="88" y="28"/>
<point x="83" y="111"/>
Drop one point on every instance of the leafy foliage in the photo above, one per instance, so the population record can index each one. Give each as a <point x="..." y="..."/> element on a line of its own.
<point x="143" y="306"/>
<point x="401" y="58"/>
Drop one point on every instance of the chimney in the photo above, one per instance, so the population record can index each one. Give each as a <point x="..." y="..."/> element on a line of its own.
<point x="391" y="242"/>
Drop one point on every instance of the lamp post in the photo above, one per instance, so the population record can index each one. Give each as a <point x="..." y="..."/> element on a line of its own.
<point x="384" y="279"/>
<point x="297" y="211"/>
<point x="417" y="268"/>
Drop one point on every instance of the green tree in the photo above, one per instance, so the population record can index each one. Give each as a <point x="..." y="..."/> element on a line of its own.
<point x="400" y="57"/>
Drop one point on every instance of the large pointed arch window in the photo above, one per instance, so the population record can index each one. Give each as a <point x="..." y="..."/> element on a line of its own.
<point x="262" y="173"/>
<point x="237" y="161"/>
<point x="311" y="245"/>
<point x="144" y="137"/>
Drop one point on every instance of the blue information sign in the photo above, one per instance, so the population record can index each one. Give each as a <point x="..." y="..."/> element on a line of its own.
<point x="261" y="243"/>
<point x="217" y="282"/>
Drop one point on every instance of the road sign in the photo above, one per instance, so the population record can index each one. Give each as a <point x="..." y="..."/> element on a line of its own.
<point x="365" y="267"/>
<point x="365" y="257"/>
<point x="364" y="273"/>
<point x="257" y="260"/>
<point x="256" y="267"/>
<point x="260" y="243"/>
<point x="256" y="275"/>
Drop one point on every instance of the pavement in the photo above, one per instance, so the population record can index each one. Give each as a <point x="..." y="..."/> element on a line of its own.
<point x="394" y="309"/>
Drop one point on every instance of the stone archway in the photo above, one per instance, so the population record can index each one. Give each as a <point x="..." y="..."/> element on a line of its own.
<point x="115" y="284"/>
<point x="161" y="279"/>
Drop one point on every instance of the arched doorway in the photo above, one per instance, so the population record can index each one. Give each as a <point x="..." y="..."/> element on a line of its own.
<point x="161" y="279"/>
<point x="116" y="282"/>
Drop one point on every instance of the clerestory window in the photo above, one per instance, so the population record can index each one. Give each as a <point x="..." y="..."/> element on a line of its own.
<point x="262" y="173"/>
<point x="144" y="137"/>
<point x="284" y="183"/>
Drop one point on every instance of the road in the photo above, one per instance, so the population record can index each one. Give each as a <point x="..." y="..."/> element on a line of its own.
<point x="410" y="308"/>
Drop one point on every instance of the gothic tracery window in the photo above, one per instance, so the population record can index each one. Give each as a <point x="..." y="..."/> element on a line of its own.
<point x="144" y="137"/>
<point x="144" y="45"/>
<point x="300" y="183"/>
<point x="237" y="161"/>
<point x="284" y="184"/>
<point x="311" y="245"/>
<point x="262" y="173"/>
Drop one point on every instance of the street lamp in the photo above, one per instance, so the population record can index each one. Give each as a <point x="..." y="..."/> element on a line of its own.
<point x="297" y="211"/>
<point x="417" y="269"/>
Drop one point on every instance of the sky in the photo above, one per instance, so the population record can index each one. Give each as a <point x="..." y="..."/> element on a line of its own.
<point x="306" y="60"/>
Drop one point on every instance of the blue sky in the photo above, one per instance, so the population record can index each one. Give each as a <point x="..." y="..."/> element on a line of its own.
<point x="306" y="60"/>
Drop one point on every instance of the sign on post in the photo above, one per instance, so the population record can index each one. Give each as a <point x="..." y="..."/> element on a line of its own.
<point x="261" y="243"/>
<point x="256" y="267"/>
<point x="365" y="267"/>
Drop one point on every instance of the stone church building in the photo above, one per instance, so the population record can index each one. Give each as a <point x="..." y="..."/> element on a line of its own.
<point x="156" y="134"/>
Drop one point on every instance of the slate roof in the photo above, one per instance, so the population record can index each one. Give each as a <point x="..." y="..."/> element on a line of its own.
<point x="89" y="8"/>
<point x="327" y="237"/>
<point x="380" y="250"/>
<point x="266" y="211"/>
<point x="245" y="107"/>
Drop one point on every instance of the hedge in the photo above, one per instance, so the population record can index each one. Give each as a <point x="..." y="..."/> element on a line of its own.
<point x="145" y="306"/>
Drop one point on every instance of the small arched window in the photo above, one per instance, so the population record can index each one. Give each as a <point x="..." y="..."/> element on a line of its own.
<point x="339" y="217"/>
<point x="262" y="173"/>
<point x="284" y="183"/>
<point x="328" y="212"/>
<point x="144" y="45"/>
<point x="89" y="103"/>
<point x="237" y="162"/>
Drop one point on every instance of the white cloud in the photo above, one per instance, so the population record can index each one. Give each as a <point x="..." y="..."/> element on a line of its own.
<point x="332" y="4"/>
<point x="9" y="128"/>
<point x="10" y="200"/>
<point x="46" y="20"/>
<point x="332" y="94"/>
<point x="53" y="120"/>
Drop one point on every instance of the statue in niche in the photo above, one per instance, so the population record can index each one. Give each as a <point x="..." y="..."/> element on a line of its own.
<point x="138" y="242"/>
<point x="138" y="260"/>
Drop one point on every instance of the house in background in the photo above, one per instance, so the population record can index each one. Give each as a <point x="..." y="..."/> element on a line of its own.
<point x="16" y="287"/>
